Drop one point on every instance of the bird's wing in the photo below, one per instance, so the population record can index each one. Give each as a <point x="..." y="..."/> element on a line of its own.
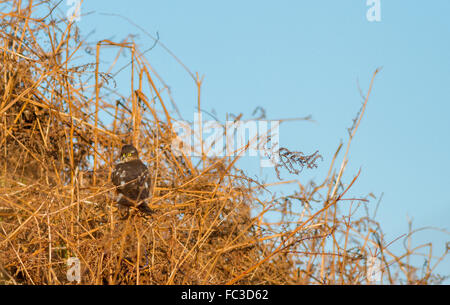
<point x="143" y="180"/>
<point x="115" y="176"/>
<point x="132" y="179"/>
<point x="118" y="173"/>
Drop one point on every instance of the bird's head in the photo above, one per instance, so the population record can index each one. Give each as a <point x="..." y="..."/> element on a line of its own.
<point x="128" y="153"/>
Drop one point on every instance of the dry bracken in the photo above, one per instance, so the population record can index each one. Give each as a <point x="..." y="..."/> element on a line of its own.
<point x="62" y="124"/>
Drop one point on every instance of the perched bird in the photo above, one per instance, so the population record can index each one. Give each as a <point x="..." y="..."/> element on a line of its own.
<point x="132" y="179"/>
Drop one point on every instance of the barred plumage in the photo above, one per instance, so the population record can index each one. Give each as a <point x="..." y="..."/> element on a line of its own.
<point x="132" y="179"/>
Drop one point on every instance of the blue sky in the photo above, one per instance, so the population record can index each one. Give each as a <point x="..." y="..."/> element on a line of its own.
<point x="299" y="58"/>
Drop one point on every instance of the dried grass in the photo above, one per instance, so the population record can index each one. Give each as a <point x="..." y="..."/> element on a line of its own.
<point x="210" y="224"/>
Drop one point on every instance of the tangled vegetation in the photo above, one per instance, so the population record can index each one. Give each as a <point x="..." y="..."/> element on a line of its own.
<point x="60" y="134"/>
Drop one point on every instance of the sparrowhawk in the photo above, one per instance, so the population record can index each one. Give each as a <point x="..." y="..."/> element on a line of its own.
<point x="132" y="179"/>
